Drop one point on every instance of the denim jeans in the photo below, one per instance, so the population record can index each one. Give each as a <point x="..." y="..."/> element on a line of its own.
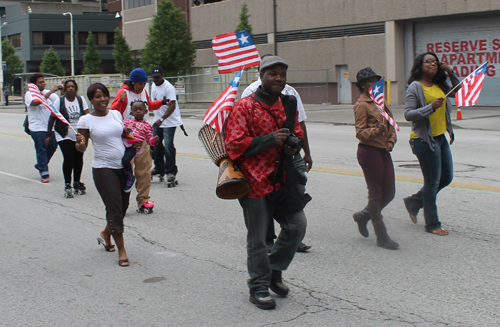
<point x="164" y="156"/>
<point x="43" y="152"/>
<point x="437" y="169"/>
<point x="258" y="213"/>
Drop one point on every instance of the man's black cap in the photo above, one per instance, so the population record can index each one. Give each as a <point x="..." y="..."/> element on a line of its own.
<point x="157" y="71"/>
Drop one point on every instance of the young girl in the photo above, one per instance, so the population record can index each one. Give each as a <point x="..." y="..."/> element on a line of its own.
<point x="135" y="132"/>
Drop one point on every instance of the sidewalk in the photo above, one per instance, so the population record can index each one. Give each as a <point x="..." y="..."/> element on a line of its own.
<point x="478" y="118"/>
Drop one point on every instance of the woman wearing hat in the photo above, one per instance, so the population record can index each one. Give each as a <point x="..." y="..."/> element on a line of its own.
<point x="134" y="90"/>
<point x="376" y="140"/>
<point x="430" y="114"/>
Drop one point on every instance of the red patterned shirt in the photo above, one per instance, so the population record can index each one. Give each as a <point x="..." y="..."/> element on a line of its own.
<point x="248" y="120"/>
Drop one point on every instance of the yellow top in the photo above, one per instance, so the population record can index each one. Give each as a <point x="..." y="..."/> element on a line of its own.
<point x="437" y="118"/>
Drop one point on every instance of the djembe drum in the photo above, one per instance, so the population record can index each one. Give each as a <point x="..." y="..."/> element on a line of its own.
<point x="231" y="183"/>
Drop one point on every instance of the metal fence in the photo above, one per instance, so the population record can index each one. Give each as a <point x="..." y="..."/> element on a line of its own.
<point x="206" y="84"/>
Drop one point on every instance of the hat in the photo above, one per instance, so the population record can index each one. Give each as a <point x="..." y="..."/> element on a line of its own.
<point x="138" y="75"/>
<point x="271" y="61"/>
<point x="366" y="73"/>
<point x="157" y="71"/>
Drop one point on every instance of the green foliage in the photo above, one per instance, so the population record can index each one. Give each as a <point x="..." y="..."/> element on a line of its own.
<point x="168" y="42"/>
<point x="14" y="63"/>
<point x="124" y="63"/>
<point x="91" y="58"/>
<point x="244" y="22"/>
<point x="51" y="63"/>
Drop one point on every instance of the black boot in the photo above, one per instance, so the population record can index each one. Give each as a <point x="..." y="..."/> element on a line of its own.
<point x="383" y="240"/>
<point x="362" y="218"/>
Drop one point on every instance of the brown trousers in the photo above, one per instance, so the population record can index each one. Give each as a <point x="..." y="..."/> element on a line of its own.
<point x="142" y="172"/>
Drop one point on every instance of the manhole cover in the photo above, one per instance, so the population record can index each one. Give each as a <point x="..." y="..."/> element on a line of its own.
<point x="154" y="279"/>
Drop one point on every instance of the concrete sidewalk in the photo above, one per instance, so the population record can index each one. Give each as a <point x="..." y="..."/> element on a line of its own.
<point x="478" y="118"/>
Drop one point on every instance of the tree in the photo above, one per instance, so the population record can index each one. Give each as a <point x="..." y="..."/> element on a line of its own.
<point x="51" y="63"/>
<point x="91" y="58"/>
<point x="168" y="42"/>
<point x="14" y="63"/>
<point x="124" y="62"/>
<point x="244" y="23"/>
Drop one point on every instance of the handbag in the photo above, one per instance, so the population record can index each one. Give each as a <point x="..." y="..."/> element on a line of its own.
<point x="288" y="198"/>
<point x="26" y="126"/>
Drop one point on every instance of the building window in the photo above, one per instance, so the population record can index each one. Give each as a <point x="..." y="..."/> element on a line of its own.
<point x="15" y="40"/>
<point x="129" y="4"/>
<point x="51" y="38"/>
<point x="100" y="38"/>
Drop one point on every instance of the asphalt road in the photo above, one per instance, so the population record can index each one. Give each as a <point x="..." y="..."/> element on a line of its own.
<point x="188" y="258"/>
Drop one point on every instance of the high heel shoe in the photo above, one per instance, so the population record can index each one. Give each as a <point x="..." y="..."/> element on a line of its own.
<point x="109" y="248"/>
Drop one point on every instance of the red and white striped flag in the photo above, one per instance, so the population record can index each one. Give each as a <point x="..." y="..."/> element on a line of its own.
<point x="37" y="95"/>
<point x="376" y="92"/>
<point x="471" y="87"/>
<point x="216" y="114"/>
<point x="234" y="51"/>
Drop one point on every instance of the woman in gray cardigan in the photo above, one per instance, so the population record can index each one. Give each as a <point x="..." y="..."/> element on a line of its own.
<point x="430" y="114"/>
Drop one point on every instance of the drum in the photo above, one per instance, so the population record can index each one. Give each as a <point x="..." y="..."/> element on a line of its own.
<point x="231" y="183"/>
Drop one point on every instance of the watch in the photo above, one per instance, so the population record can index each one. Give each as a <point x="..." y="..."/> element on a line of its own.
<point x="161" y="119"/>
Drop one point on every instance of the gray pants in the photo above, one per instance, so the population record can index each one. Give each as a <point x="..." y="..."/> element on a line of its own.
<point x="258" y="213"/>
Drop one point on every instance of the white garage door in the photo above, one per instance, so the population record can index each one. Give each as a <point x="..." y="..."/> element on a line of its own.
<point x="464" y="44"/>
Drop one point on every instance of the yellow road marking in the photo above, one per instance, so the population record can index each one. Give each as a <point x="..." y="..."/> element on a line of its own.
<point x="399" y="178"/>
<point x="409" y="179"/>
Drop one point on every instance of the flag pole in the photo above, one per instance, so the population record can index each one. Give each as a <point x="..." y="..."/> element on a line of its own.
<point x="487" y="61"/>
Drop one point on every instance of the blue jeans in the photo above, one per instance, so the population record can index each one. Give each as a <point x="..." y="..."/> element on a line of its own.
<point x="43" y="152"/>
<point x="164" y="156"/>
<point x="437" y="169"/>
<point x="258" y="213"/>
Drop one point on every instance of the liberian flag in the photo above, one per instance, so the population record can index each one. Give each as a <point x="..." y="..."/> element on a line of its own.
<point x="37" y="95"/>
<point x="471" y="87"/>
<point x="216" y="114"/>
<point x="376" y="92"/>
<point x="234" y="51"/>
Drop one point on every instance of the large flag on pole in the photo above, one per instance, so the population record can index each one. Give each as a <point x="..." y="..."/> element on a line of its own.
<point x="376" y="92"/>
<point x="216" y="114"/>
<point x="37" y="95"/>
<point x="471" y="87"/>
<point x="234" y="51"/>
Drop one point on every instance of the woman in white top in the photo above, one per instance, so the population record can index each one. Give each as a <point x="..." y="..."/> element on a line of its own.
<point x="105" y="128"/>
<point x="72" y="107"/>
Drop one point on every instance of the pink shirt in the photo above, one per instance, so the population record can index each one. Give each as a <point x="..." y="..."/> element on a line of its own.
<point x="141" y="130"/>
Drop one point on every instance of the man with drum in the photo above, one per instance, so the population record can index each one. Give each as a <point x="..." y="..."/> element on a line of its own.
<point x="303" y="164"/>
<point x="254" y="136"/>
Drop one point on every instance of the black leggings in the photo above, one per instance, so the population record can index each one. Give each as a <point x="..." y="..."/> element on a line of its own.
<point x="127" y="157"/>
<point x="73" y="161"/>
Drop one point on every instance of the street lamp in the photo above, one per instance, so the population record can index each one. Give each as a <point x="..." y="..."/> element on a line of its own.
<point x="1" y="62"/>
<point x="72" y="45"/>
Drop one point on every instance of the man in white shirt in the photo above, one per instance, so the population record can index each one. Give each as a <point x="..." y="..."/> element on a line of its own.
<point x="298" y="160"/>
<point x="38" y="118"/>
<point x="167" y="118"/>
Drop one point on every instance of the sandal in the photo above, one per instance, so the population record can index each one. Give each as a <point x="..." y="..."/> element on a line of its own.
<point x="413" y="217"/>
<point x="123" y="263"/>
<point x="440" y="231"/>
<point x="109" y="248"/>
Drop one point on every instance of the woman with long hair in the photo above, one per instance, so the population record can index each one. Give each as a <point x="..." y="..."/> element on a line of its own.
<point x="105" y="128"/>
<point x="430" y="113"/>
<point x="72" y="107"/>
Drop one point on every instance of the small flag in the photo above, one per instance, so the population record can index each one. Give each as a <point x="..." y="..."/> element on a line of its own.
<point x="376" y="92"/>
<point x="216" y="114"/>
<point x="471" y="87"/>
<point x="37" y="95"/>
<point x="234" y="51"/>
